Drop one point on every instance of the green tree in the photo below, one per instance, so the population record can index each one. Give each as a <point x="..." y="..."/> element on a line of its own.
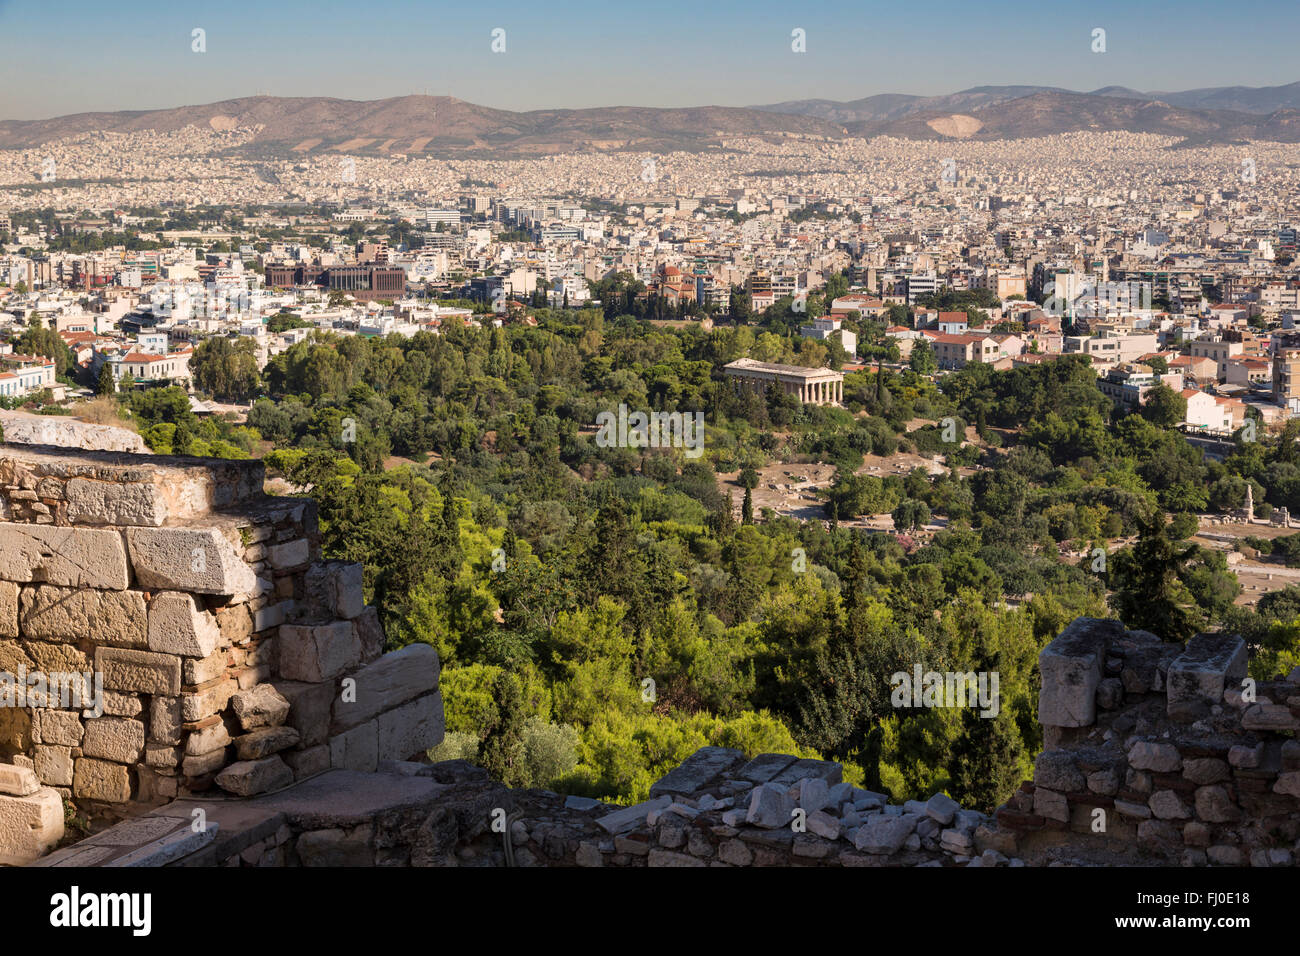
<point x="1164" y="406"/>
<point x="503" y="753"/>
<point x="922" y="360"/>
<point x="106" y="385"/>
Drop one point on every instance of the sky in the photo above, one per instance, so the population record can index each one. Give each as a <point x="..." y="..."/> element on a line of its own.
<point x="61" y="57"/>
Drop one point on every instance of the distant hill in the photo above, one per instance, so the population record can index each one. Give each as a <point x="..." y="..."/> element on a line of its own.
<point x="440" y="124"/>
<point x="1243" y="99"/>
<point x="1051" y="113"/>
<point x="433" y="123"/>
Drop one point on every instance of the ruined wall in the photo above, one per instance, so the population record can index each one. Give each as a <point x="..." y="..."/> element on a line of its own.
<point x="1186" y="764"/>
<point x="217" y="648"/>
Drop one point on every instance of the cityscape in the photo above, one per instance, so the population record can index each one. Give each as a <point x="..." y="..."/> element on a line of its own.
<point x="905" y="482"/>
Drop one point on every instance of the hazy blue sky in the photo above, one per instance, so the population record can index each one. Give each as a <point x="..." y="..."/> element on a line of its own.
<point x="66" y="57"/>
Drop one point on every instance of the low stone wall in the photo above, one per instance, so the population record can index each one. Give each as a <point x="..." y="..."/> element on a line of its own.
<point x="1160" y="754"/>
<point x="175" y="629"/>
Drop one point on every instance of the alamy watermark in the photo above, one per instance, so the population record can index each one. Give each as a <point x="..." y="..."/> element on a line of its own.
<point x="933" y="689"/>
<point x="651" y="430"/>
<point x="62" y="690"/>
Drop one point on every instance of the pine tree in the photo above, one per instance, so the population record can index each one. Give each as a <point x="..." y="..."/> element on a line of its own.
<point x="106" y="385"/>
<point x="502" y="752"/>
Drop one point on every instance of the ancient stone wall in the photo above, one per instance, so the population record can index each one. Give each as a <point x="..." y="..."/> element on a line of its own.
<point x="1159" y="754"/>
<point x="167" y="628"/>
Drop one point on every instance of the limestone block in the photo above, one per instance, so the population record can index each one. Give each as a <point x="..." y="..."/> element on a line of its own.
<point x="264" y="742"/>
<point x="291" y="554"/>
<point x="199" y="765"/>
<point x="114" y="738"/>
<point x="116" y="503"/>
<point x="412" y="728"/>
<point x="200" y="671"/>
<point x="122" y="705"/>
<point x="309" y="709"/>
<point x="260" y="706"/>
<point x="165" y="720"/>
<point x="57" y="727"/>
<point x="1197" y="678"/>
<point x="309" y="762"/>
<point x="29" y="826"/>
<point x="54" y="765"/>
<point x="210" y="738"/>
<point x="207" y="699"/>
<point x="336" y="587"/>
<point x="370" y="633"/>
<point x="1157" y="757"/>
<point x="114" y="618"/>
<point x="8" y="609"/>
<point x="884" y="834"/>
<point x="770" y="806"/>
<point x="141" y="672"/>
<point x="249" y="777"/>
<point x="202" y="561"/>
<point x="1262" y="716"/>
<point x="177" y="625"/>
<point x="73" y="557"/>
<point x="1072" y="667"/>
<point x="318" y="653"/>
<point x="101" y="780"/>
<point x="388" y="682"/>
<point x="356" y="749"/>
<point x="17" y="781"/>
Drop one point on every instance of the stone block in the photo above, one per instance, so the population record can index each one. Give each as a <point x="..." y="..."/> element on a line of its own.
<point x="210" y="738"/>
<point x="115" y="618"/>
<point x="71" y="557"/>
<point x="1198" y="676"/>
<point x="8" y="609"/>
<point x="884" y="834"/>
<point x="17" y="781"/>
<point x="177" y="625"/>
<point x="1156" y="757"/>
<point x="250" y="777"/>
<point x="1072" y="667"/>
<point x="114" y="738"/>
<point x="260" y="706"/>
<point x="202" y="561"/>
<point x="770" y="806"/>
<point x="356" y="749"/>
<point x="29" y="826"/>
<point x="122" y="705"/>
<point x="264" y="742"/>
<point x="318" y="653"/>
<point x="165" y="720"/>
<point x="309" y="709"/>
<point x="57" y="727"/>
<point x="336" y="588"/>
<point x="207" y="699"/>
<point x="412" y="728"/>
<point x="54" y="765"/>
<point x="309" y="762"/>
<point x="114" y="503"/>
<point x="201" y="670"/>
<point x="141" y="672"/>
<point x="290" y="555"/>
<point x="370" y="634"/>
<point x="388" y="682"/>
<point x="101" y="780"/>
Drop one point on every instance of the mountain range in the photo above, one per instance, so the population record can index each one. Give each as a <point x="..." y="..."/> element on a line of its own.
<point x="445" y="125"/>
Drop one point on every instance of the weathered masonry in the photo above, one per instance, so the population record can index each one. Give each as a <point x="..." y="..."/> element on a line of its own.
<point x="167" y="629"/>
<point x="812" y="386"/>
